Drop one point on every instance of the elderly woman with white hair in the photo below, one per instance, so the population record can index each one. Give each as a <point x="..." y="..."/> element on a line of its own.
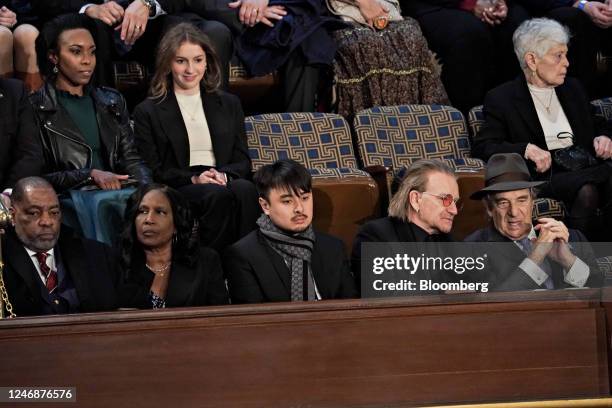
<point x="546" y="118"/>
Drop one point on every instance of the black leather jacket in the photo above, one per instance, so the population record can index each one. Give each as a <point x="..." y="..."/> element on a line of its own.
<point x="67" y="155"/>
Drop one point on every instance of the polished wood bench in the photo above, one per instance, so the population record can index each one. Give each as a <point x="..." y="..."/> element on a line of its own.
<point x="387" y="352"/>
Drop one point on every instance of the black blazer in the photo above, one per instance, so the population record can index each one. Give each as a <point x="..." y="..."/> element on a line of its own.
<point x="257" y="273"/>
<point x="200" y="284"/>
<point x="511" y="121"/>
<point x="21" y="152"/>
<point x="162" y="138"/>
<point x="90" y="264"/>
<point x="502" y="271"/>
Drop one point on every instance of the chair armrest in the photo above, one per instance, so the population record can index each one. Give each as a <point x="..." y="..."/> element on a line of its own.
<point x="383" y="176"/>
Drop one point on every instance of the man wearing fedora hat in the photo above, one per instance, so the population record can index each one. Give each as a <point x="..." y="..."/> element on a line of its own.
<point x="541" y="256"/>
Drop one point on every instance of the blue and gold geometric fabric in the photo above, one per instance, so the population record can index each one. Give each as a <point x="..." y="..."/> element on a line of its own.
<point x="605" y="266"/>
<point x="475" y="120"/>
<point x="603" y="108"/>
<point x="395" y="136"/>
<point x="317" y="140"/>
<point x="549" y="208"/>
<point x="343" y="173"/>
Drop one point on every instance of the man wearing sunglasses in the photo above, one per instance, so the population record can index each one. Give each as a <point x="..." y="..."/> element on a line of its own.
<point x="422" y="210"/>
<point x="539" y="256"/>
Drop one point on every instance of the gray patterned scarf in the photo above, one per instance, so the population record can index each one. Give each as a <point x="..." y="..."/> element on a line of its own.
<point x="296" y="250"/>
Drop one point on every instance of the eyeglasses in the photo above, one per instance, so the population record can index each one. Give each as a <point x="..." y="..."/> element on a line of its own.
<point x="447" y="199"/>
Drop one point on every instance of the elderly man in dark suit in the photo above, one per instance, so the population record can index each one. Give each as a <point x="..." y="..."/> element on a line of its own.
<point x="285" y="259"/>
<point x="545" y="256"/>
<point x="47" y="272"/>
<point x="21" y="153"/>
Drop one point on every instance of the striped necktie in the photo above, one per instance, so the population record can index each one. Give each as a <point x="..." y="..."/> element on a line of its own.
<point x="50" y="276"/>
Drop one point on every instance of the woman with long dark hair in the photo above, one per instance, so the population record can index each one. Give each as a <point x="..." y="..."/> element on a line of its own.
<point x="162" y="263"/>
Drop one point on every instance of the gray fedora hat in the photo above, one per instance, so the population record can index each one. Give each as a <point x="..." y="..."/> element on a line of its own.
<point x="505" y="172"/>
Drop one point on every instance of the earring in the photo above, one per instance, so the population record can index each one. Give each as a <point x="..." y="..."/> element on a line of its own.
<point x="174" y="239"/>
<point x="55" y="70"/>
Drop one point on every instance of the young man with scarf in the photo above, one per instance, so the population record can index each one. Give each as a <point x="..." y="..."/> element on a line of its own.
<point x="285" y="259"/>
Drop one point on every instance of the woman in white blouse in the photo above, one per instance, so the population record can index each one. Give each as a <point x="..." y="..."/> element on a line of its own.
<point x="191" y="134"/>
<point x="542" y="112"/>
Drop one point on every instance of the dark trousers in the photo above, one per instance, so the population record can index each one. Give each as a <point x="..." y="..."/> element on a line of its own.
<point x="475" y="57"/>
<point x="299" y="83"/>
<point x="144" y="50"/>
<point x="226" y="214"/>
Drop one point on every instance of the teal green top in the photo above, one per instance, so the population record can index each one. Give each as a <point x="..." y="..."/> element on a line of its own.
<point x="83" y="112"/>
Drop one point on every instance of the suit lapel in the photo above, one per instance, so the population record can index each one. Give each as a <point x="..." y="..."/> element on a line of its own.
<point x="174" y="128"/>
<point x="511" y="250"/>
<point x="180" y="284"/>
<point x="20" y="262"/>
<point x="572" y="112"/>
<point x="526" y="109"/>
<point x="280" y="268"/>
<point x="212" y="110"/>
<point x="318" y="272"/>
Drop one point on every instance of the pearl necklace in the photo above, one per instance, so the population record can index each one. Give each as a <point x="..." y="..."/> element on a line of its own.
<point x="160" y="271"/>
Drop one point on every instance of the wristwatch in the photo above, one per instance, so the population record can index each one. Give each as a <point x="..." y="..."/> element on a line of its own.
<point x="582" y="4"/>
<point x="151" y="6"/>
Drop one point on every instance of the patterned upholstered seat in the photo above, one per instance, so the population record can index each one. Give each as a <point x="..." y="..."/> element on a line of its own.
<point x="321" y="142"/>
<point x="317" y="140"/>
<point x="548" y="207"/>
<point x="603" y="108"/>
<point x="475" y="120"/>
<point x="395" y="136"/>
<point x="391" y="137"/>
<point x="605" y="266"/>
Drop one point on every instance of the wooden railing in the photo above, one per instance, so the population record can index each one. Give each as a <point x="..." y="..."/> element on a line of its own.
<point x="392" y="352"/>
